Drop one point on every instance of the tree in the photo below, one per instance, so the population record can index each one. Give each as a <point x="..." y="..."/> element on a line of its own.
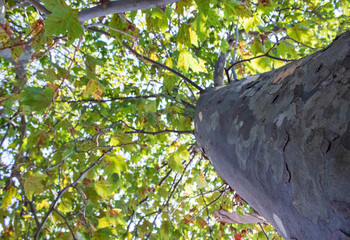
<point x="99" y="102"/>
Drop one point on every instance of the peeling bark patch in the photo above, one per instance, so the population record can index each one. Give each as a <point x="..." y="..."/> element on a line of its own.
<point x="200" y="115"/>
<point x="280" y="225"/>
<point x="214" y="120"/>
<point x="286" y="72"/>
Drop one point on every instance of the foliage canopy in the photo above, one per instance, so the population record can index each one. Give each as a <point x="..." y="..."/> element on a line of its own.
<point x="97" y="117"/>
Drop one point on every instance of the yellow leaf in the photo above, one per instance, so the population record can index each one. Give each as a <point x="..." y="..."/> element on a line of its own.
<point x="102" y="223"/>
<point x="169" y="62"/>
<point x="9" y="194"/>
<point x="103" y="189"/>
<point x="186" y="60"/>
<point x="202" y="183"/>
<point x="43" y="204"/>
<point x="95" y="89"/>
<point x="194" y="38"/>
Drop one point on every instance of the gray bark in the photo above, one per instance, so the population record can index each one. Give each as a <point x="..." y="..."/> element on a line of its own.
<point x="120" y="7"/>
<point x="283" y="142"/>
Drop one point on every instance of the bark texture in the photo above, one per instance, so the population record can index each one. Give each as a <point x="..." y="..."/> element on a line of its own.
<point x="282" y="142"/>
<point x="120" y="7"/>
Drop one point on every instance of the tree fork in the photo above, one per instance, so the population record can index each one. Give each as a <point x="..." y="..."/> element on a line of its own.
<point x="282" y="141"/>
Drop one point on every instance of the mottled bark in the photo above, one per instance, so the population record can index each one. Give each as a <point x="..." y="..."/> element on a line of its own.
<point x="282" y="142"/>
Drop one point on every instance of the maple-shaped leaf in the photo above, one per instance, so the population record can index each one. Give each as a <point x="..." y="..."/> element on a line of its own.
<point x="35" y="98"/>
<point x="95" y="89"/>
<point x="62" y="20"/>
<point x="33" y="184"/>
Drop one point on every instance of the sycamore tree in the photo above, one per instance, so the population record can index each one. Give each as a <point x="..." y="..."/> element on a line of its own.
<point x="97" y="104"/>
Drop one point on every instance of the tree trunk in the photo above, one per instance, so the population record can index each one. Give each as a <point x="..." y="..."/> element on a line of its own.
<point x="283" y="142"/>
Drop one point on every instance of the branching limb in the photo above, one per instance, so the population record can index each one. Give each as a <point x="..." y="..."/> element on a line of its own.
<point x="259" y="56"/>
<point x="151" y="61"/>
<point x="233" y="72"/>
<point x="207" y="205"/>
<point x="221" y="63"/>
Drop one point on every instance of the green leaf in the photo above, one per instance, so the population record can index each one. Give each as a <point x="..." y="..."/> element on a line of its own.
<point x="17" y="52"/>
<point x="115" y="164"/>
<point x="62" y="20"/>
<point x="175" y="163"/>
<point x="103" y="189"/>
<point x="36" y="99"/>
<point x="202" y="183"/>
<point x="95" y="89"/>
<point x="8" y="196"/>
<point x="33" y="185"/>
<point x="68" y="153"/>
<point x="120" y="138"/>
<point x="203" y="6"/>
<point x="104" y="234"/>
<point x="251" y="23"/>
<point x="186" y="60"/>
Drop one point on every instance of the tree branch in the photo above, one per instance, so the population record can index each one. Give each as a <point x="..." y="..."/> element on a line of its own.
<point x="259" y="56"/>
<point x="39" y="6"/>
<point x="163" y="66"/>
<point x="154" y="133"/>
<point x="207" y="205"/>
<point x="120" y="7"/>
<point x="65" y="220"/>
<point x="221" y="63"/>
<point x="111" y="28"/>
<point x="114" y="98"/>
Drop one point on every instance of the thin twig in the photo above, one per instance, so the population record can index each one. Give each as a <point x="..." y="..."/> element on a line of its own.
<point x="113" y="99"/>
<point x="160" y="132"/>
<point x="163" y="66"/>
<point x="5" y="135"/>
<point x="32" y="206"/>
<point x="154" y="133"/>
<point x="207" y="205"/>
<point x="267" y="237"/>
<point x="259" y="56"/>
<point x="111" y="28"/>
<point x="65" y="220"/>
